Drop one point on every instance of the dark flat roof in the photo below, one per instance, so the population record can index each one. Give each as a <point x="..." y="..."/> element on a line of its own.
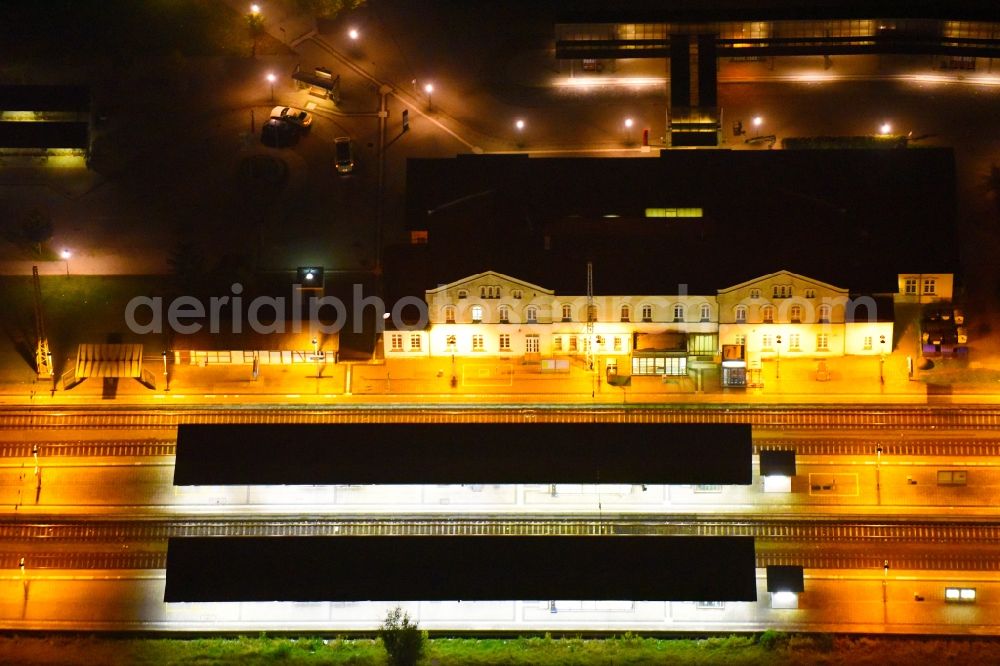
<point x="44" y="98"/>
<point x="487" y="453"/>
<point x="777" y="463"/>
<point x="853" y="218"/>
<point x="43" y="135"/>
<point x="460" y="568"/>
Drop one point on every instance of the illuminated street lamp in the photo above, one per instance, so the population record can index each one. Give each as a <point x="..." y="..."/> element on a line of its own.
<point x="66" y="255"/>
<point x="271" y="78"/>
<point x="519" y="124"/>
<point x="353" y="34"/>
<point x="429" y="89"/>
<point x="884" y="129"/>
<point x="628" y="130"/>
<point x="757" y="121"/>
<point x="255" y="9"/>
<point x="777" y="357"/>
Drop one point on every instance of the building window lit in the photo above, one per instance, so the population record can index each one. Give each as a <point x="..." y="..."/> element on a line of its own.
<point x="477" y="314"/>
<point x="706" y="312"/>
<point x="824" y="314"/>
<point x="910" y="286"/>
<point x="647" y="313"/>
<point x="868" y="343"/>
<point x="531" y="314"/>
<point x="674" y="212"/>
<point x="450" y="343"/>
<point x="572" y="343"/>
<point x="449" y="314"/>
<point x="504" y="314"/>
<point x="477" y="343"/>
<point x="822" y="342"/>
<point x="414" y="342"/>
<point x="396" y="342"/>
<point x="755" y="293"/>
<point x="741" y="314"/>
<point x="766" y="342"/>
<point x="462" y="293"/>
<point x="626" y="313"/>
<point x="767" y="314"/>
<point x="531" y="344"/>
<point x="794" y="342"/>
<point x="618" y="343"/>
<point x="678" y="312"/>
<point x="567" y="313"/>
<point x="796" y="314"/>
<point x="504" y="342"/>
<point x="930" y="285"/>
<point x="659" y="365"/>
<point x="557" y="343"/>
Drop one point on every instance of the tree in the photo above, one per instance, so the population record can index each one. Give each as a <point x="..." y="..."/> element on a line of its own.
<point x="255" y="26"/>
<point x="37" y="228"/>
<point x="328" y="9"/>
<point x="402" y="639"/>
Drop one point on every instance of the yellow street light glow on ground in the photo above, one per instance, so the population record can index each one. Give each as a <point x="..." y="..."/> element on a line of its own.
<point x="353" y="33"/>
<point x="885" y="128"/>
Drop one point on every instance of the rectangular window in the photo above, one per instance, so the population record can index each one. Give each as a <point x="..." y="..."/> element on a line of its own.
<point x="414" y="342"/>
<point x="822" y="342"/>
<point x="741" y="340"/>
<point x="766" y="342"/>
<point x="618" y="344"/>
<point x="477" y="343"/>
<point x="557" y="343"/>
<point x="659" y="365"/>
<point x="910" y="286"/>
<point x="868" y="343"/>
<point x="531" y="344"/>
<point x="572" y="343"/>
<point x="930" y="286"/>
<point x="396" y="342"/>
<point x="450" y="343"/>
<point x="793" y="342"/>
<point x="504" y="342"/>
<point x="810" y="293"/>
<point x="674" y="212"/>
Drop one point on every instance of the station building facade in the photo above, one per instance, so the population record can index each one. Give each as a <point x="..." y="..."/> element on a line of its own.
<point x="781" y="314"/>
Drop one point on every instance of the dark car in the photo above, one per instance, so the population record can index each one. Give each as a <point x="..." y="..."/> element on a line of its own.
<point x="278" y="133"/>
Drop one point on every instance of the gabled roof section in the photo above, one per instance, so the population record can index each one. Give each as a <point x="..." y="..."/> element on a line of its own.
<point x="490" y="274"/>
<point x="784" y="273"/>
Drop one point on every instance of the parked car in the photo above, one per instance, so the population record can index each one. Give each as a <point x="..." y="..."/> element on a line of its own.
<point x="344" y="155"/>
<point x="297" y="117"/>
<point x="278" y="133"/>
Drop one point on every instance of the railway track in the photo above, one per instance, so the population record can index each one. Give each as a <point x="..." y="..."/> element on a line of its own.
<point x="790" y="417"/>
<point x="840" y="531"/>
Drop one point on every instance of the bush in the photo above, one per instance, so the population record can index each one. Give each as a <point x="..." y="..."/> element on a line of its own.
<point x="773" y="640"/>
<point x="402" y="639"/>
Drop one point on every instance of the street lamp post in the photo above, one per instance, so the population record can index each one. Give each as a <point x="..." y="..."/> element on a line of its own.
<point x="777" y="358"/>
<point x="353" y="34"/>
<point x="166" y="374"/>
<point x="66" y="255"/>
<point x="271" y="78"/>
<point x="429" y="89"/>
<point x="757" y="122"/>
<point x="519" y="126"/>
<point x="881" y="360"/>
<point x="885" y="129"/>
<point x="628" y="130"/>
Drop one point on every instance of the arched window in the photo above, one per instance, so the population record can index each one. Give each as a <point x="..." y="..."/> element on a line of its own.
<point x="449" y="314"/>
<point x="755" y="293"/>
<point x="706" y="312"/>
<point x="567" y="313"/>
<point x="647" y="313"/>
<point x="824" y="314"/>
<point x="477" y="314"/>
<point x="483" y="292"/>
<point x="626" y="313"/>
<point x="767" y="314"/>
<point x="796" y="314"/>
<point x="531" y="314"/>
<point x="504" y="314"/>
<point x="741" y="314"/>
<point x="462" y="293"/>
<point x="678" y="312"/>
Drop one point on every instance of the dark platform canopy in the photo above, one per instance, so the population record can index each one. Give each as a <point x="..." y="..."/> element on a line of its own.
<point x="460" y="568"/>
<point x="493" y="453"/>
<point x="777" y="463"/>
<point x="783" y="578"/>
